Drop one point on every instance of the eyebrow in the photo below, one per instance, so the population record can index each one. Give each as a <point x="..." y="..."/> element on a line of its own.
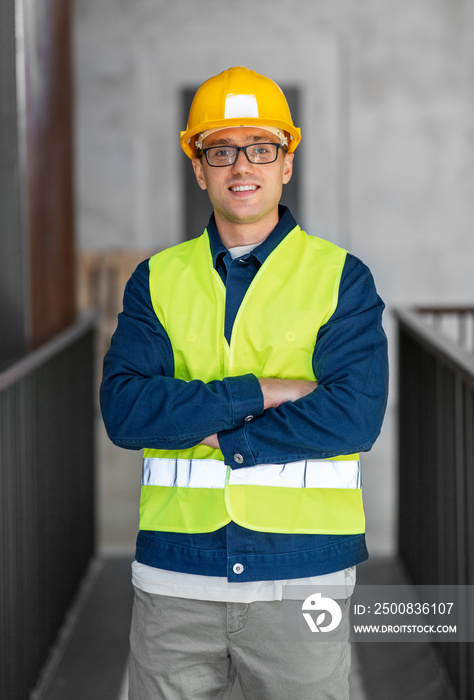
<point x="229" y="142"/>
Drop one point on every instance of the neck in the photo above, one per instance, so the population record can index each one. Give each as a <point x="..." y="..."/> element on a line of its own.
<point x="234" y="234"/>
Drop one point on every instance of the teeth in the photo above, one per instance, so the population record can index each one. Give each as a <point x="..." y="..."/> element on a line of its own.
<point x="243" y="188"/>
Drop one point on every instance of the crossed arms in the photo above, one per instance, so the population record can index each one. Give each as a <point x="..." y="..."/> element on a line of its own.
<point x="144" y="405"/>
<point x="275" y="391"/>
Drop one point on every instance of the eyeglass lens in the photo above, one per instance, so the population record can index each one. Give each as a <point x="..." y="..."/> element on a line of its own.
<point x="256" y="153"/>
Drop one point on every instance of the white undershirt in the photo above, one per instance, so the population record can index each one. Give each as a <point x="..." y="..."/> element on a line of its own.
<point x="239" y="250"/>
<point x="216" y="588"/>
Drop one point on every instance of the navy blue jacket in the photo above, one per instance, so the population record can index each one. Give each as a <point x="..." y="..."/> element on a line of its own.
<point x="143" y="405"/>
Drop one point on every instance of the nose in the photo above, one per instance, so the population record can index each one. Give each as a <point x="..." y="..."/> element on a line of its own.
<point x="242" y="164"/>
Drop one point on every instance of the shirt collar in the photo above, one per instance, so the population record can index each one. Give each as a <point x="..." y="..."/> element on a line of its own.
<point x="285" y="224"/>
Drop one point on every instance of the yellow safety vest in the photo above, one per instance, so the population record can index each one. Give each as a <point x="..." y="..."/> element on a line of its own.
<point x="292" y="295"/>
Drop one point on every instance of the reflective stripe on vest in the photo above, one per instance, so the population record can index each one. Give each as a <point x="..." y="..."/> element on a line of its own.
<point x="279" y="497"/>
<point x="273" y="335"/>
<point x="213" y="474"/>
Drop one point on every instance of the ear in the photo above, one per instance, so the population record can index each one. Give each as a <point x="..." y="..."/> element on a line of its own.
<point x="288" y="167"/>
<point x="199" y="173"/>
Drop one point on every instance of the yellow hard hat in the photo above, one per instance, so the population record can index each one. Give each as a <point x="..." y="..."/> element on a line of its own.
<point x="238" y="97"/>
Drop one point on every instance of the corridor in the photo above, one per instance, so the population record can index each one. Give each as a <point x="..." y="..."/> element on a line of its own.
<point x="92" y="102"/>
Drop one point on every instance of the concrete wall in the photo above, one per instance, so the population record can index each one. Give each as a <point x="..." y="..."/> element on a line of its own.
<point x="387" y="119"/>
<point x="386" y="158"/>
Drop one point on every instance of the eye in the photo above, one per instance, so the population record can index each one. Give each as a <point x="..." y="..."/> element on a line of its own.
<point x="222" y="152"/>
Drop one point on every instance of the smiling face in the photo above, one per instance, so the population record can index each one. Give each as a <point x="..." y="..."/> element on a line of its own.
<point x="245" y="196"/>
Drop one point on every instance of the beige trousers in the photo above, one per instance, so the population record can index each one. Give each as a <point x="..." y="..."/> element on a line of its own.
<point x="184" y="649"/>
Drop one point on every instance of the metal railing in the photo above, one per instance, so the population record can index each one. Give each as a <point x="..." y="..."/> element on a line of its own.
<point x="46" y="498"/>
<point x="436" y="460"/>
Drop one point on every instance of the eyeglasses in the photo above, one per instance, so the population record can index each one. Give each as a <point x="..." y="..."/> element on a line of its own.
<point x="256" y="153"/>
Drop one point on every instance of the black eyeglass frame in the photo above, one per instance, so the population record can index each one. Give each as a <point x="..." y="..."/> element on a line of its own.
<point x="244" y="149"/>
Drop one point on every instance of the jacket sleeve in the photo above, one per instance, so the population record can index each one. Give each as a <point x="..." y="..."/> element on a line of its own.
<point x="142" y="404"/>
<point x="344" y="414"/>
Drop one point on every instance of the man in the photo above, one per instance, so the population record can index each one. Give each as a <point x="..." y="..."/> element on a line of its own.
<point x="251" y="365"/>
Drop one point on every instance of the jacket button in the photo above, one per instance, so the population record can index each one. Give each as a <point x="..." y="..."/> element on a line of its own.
<point x="248" y="418"/>
<point x="238" y="458"/>
<point x="238" y="568"/>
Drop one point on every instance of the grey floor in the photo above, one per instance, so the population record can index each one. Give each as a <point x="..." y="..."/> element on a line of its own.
<point x="89" y="662"/>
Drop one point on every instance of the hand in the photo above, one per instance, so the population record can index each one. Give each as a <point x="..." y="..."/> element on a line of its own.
<point x="211" y="441"/>
<point x="276" y="391"/>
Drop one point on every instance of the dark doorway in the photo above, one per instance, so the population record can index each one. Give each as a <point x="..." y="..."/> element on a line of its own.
<point x="196" y="202"/>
